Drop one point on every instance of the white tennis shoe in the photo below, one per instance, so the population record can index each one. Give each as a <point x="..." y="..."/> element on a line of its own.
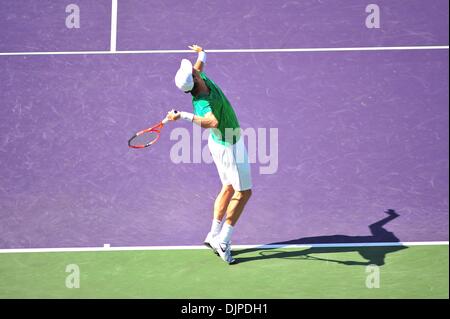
<point x="207" y="242"/>
<point x="223" y="249"/>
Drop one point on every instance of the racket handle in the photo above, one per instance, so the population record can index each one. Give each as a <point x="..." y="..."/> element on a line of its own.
<point x="166" y="119"/>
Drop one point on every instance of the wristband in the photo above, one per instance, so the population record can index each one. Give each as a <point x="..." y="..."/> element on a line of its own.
<point x="187" y="116"/>
<point x="202" y="56"/>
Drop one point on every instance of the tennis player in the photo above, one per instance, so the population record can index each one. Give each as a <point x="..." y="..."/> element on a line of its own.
<point x="213" y="111"/>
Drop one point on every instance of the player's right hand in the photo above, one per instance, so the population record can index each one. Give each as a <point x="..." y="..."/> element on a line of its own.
<point x="173" y="115"/>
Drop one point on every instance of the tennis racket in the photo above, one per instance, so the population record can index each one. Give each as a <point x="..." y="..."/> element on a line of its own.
<point x="147" y="137"/>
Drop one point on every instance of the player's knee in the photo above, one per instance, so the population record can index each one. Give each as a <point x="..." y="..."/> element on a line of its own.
<point x="227" y="189"/>
<point x="243" y="195"/>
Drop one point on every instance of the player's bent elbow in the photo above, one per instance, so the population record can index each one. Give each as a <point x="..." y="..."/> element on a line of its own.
<point x="214" y="124"/>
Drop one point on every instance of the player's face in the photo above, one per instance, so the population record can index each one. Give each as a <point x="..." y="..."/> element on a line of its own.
<point x="195" y="75"/>
<point x="195" y="78"/>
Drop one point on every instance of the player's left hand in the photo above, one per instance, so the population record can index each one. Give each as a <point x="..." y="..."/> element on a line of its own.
<point x="196" y="48"/>
<point x="173" y="115"/>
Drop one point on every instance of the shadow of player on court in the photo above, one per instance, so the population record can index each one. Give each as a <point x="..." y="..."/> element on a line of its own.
<point x="372" y="255"/>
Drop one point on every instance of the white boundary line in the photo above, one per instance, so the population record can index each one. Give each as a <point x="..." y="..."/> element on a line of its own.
<point x="397" y="48"/>
<point x="113" y="25"/>
<point x="107" y="247"/>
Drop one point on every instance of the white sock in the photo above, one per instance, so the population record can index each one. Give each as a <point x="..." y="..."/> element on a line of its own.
<point x="225" y="233"/>
<point x="215" y="227"/>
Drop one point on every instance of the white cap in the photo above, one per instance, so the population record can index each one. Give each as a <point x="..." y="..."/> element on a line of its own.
<point x="183" y="78"/>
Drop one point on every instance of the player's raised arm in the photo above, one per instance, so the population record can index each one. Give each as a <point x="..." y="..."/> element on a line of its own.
<point x="201" y="57"/>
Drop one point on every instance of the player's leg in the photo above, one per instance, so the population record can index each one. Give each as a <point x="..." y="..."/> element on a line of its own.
<point x="220" y="208"/>
<point x="234" y="211"/>
<point x="225" y="195"/>
<point x="236" y="205"/>
<point x="238" y="173"/>
<point x="222" y="201"/>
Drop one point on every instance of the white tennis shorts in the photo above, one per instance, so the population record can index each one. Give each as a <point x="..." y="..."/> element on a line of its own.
<point x="232" y="164"/>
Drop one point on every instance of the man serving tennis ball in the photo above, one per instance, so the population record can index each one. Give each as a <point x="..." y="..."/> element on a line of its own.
<point x="213" y="110"/>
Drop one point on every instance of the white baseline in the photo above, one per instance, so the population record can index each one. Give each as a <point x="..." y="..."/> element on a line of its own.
<point x="350" y="49"/>
<point x="107" y="247"/>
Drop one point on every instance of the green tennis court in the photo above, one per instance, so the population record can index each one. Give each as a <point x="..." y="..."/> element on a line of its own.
<point x="408" y="272"/>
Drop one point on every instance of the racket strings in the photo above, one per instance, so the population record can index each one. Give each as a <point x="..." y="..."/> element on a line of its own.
<point x="145" y="138"/>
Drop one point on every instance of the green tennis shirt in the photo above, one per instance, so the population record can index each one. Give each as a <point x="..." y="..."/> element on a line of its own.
<point x="228" y="130"/>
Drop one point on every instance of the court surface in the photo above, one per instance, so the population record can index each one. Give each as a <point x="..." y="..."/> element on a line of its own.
<point x="350" y="170"/>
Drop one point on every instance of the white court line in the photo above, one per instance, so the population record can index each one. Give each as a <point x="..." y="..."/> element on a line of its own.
<point x="194" y="247"/>
<point x="113" y="25"/>
<point x="397" y="48"/>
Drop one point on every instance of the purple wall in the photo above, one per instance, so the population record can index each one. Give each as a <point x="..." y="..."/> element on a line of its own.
<point x="223" y="24"/>
<point x="359" y="132"/>
<point x="29" y="25"/>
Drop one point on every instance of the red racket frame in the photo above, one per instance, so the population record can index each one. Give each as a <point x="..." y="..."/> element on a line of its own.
<point x="156" y="129"/>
